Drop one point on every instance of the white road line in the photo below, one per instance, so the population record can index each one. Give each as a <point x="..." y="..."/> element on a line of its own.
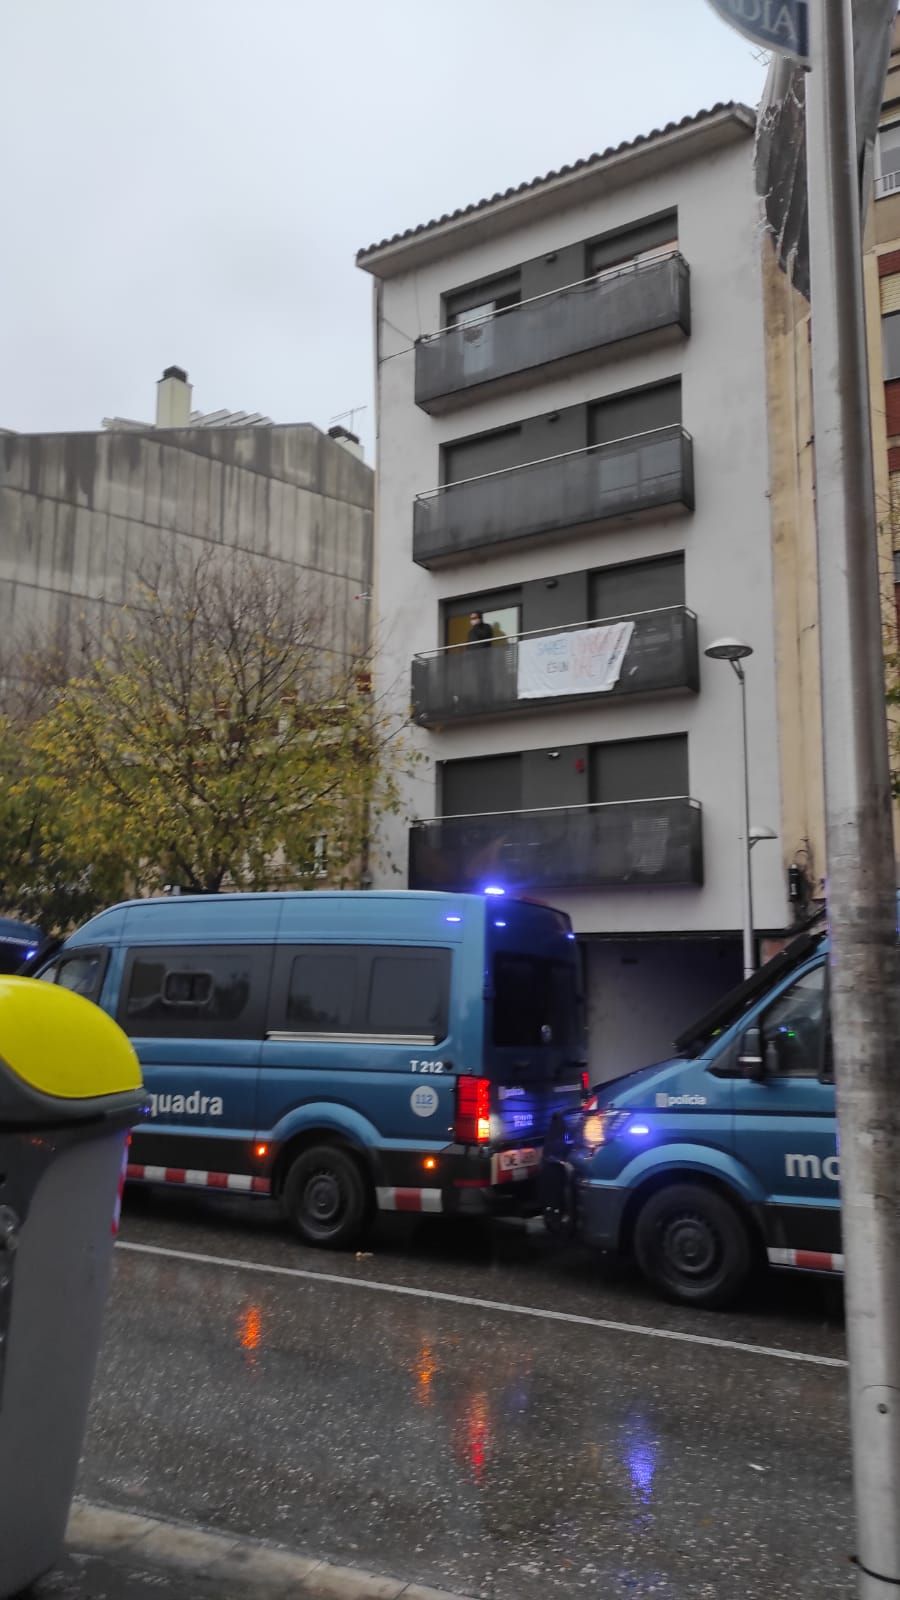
<point x="440" y="1295"/>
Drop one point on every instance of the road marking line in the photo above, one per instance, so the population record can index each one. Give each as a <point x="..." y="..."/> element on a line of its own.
<point x="445" y="1298"/>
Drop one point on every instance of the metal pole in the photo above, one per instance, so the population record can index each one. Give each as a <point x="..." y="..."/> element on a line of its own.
<point x="861" y="883"/>
<point x="746" y="865"/>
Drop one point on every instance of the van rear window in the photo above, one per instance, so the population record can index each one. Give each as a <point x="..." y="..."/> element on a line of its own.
<point x="535" y="1001"/>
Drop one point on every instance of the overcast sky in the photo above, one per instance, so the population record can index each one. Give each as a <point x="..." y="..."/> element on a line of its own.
<point x="188" y="181"/>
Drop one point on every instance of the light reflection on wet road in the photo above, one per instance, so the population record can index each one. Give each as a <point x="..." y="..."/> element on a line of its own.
<point x="462" y="1446"/>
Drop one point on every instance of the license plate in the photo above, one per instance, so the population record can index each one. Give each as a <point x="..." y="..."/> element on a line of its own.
<point x="509" y="1166"/>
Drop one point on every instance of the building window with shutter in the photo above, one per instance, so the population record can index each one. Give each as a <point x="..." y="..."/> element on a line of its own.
<point x="890" y="344"/>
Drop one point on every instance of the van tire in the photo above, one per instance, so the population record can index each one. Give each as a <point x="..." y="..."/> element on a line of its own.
<point x="325" y="1197"/>
<point x="693" y="1245"/>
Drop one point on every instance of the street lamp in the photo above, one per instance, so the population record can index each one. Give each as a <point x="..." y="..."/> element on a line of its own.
<point x="734" y="652"/>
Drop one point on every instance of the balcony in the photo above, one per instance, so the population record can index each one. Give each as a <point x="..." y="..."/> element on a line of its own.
<point x="646" y="472"/>
<point x="465" y="681"/>
<point x="627" y="843"/>
<point x="553" y="332"/>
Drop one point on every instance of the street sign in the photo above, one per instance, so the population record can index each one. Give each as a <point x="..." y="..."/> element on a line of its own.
<point x="778" y="25"/>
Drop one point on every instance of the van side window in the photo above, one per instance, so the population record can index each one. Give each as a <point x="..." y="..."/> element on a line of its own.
<point x="367" y="991"/>
<point x="409" y="991"/>
<point x="82" y="973"/>
<point x="321" y="994"/>
<point x="215" y="992"/>
<point x="794" y="1025"/>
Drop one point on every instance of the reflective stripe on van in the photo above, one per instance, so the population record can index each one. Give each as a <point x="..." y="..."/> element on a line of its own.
<point x="409" y="1199"/>
<point x="808" y="1260"/>
<point x="193" y="1178"/>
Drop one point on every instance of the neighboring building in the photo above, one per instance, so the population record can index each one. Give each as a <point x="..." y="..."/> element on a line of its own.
<point x="572" y="429"/>
<point x="881" y="267"/>
<point x="792" y="459"/>
<point x="82" y="514"/>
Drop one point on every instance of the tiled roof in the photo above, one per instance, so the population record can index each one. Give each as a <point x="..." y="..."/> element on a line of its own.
<point x="723" y="107"/>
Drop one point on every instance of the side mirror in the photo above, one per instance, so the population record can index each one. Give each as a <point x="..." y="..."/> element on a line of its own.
<point x="750" y="1060"/>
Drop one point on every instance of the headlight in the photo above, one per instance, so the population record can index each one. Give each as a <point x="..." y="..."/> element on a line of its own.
<point x="593" y="1129"/>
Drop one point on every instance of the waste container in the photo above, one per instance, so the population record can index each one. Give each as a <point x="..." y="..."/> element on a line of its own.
<point x="70" y="1088"/>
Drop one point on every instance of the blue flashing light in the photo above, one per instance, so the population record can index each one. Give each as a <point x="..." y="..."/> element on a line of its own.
<point x="638" y="1129"/>
<point x="451" y="917"/>
<point x="29" y="954"/>
<point x="493" y="888"/>
<point x="570" y="936"/>
<point x="498" y="923"/>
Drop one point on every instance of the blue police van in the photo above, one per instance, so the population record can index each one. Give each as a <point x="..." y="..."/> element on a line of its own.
<point x="342" y="1052"/>
<point x="721" y="1156"/>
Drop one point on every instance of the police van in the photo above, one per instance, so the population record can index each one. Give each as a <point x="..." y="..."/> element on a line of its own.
<point x="722" y="1155"/>
<point x="342" y="1052"/>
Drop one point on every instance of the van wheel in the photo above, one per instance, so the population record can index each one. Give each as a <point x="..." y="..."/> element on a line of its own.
<point x="325" y="1197"/>
<point x="693" y="1245"/>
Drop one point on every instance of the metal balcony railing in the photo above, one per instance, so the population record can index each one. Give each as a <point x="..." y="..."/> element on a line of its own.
<point x="641" y="473"/>
<point x="563" y="326"/>
<point x="466" y="681"/>
<point x="623" y="843"/>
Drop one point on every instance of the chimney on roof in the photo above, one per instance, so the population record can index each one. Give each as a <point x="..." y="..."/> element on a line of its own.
<point x="173" y="399"/>
<point x="347" y="440"/>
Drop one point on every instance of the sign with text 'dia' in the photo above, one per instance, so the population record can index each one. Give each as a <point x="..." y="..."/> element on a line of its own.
<point x="778" y="25"/>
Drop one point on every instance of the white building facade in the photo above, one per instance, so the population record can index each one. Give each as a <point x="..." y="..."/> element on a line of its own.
<point x="572" y="448"/>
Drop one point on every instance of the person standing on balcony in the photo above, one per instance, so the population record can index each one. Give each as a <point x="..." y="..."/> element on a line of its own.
<point x="480" y="632"/>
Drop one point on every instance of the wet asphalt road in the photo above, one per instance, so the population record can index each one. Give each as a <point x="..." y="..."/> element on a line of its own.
<point x="466" y="1446"/>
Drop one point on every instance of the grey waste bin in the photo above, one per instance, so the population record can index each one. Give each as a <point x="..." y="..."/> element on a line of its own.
<point x="70" y="1088"/>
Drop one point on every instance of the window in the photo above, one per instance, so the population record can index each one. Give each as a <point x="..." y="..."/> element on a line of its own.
<point x="82" y="973"/>
<point x="637" y="411"/>
<point x="502" y="612"/>
<point x="643" y="241"/>
<point x="640" y="769"/>
<point x="215" y="992"/>
<point x="535" y="1002"/>
<point x="794" y="1026"/>
<point x="321" y="994"/>
<point x="637" y="586"/>
<point x="363" y="991"/>
<point x="890" y="344"/>
<point x="408" y="993"/>
<point x="482" y="299"/>
<point x="888" y="159"/>
<point x="483" y="783"/>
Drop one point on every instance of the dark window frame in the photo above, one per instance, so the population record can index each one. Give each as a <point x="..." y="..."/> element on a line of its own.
<point x="820" y="1061"/>
<point x="482" y="291"/>
<point x="891" y="366"/>
<point x="66" y="957"/>
<point x="646" y="739"/>
<point x="192" y="958"/>
<point x="278" y="1021"/>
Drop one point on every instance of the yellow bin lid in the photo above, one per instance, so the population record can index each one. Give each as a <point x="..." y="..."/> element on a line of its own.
<point x="61" y="1045"/>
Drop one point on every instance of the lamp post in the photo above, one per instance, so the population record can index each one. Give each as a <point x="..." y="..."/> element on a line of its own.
<point x="734" y="652"/>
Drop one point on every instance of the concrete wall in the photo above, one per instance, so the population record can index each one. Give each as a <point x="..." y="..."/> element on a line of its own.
<point x="726" y="541"/>
<point x="643" y="992"/>
<point x="82" y="514"/>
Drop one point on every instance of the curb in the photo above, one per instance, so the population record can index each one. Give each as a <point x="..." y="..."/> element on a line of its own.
<point x="266" y="1569"/>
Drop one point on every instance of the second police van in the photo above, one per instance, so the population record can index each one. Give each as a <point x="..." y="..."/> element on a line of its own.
<point x="342" y="1052"/>
<point x="722" y="1156"/>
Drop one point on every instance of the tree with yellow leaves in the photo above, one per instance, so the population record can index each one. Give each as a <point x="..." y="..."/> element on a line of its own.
<point x="217" y="740"/>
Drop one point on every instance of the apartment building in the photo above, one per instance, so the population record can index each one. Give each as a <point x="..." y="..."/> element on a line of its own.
<point x="571" y="505"/>
<point x="82" y="515"/>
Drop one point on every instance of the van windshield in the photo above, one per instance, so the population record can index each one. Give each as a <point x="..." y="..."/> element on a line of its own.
<point x="536" y="1001"/>
<point x="694" y="1040"/>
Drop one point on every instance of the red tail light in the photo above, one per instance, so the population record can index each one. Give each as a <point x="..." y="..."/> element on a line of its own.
<point x="585" y="1083"/>
<point x="473" y="1110"/>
